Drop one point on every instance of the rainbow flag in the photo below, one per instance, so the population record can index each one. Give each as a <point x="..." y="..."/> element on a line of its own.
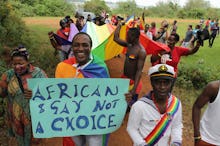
<point x="72" y="33"/>
<point x="106" y="48"/>
<point x="163" y="124"/>
<point x="61" y="41"/>
<point x="94" y="69"/>
<point x="102" y="38"/>
<point x="98" y="33"/>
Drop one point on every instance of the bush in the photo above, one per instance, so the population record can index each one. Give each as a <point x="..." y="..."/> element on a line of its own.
<point x="22" y="9"/>
<point x="12" y="29"/>
<point x="42" y="8"/>
<point x="189" y="76"/>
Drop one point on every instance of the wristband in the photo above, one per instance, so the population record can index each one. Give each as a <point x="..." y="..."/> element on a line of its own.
<point x="197" y="138"/>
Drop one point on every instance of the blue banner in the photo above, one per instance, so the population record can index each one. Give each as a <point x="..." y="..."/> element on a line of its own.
<point x="69" y="107"/>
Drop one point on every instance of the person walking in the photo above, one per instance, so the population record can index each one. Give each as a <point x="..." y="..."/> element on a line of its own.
<point x="162" y="33"/>
<point x="134" y="61"/>
<point x="174" y="55"/>
<point x="83" y="65"/>
<point x="156" y="118"/>
<point x="189" y="37"/>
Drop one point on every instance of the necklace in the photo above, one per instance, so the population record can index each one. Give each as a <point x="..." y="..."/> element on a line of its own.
<point x="157" y="106"/>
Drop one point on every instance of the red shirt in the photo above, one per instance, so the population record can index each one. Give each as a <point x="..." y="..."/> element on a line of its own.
<point x="153" y="31"/>
<point x="176" y="55"/>
<point x="63" y="33"/>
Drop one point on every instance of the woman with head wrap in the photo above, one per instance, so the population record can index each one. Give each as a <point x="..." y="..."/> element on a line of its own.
<point x="13" y="84"/>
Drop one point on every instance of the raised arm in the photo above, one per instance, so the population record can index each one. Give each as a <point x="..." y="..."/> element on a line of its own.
<point x="194" y="49"/>
<point x="117" y="38"/>
<point x="53" y="42"/>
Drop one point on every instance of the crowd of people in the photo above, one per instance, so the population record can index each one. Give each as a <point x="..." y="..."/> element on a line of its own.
<point x="155" y="118"/>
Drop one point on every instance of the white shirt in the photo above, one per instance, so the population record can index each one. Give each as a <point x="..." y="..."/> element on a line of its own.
<point x="209" y="125"/>
<point x="149" y="35"/>
<point x="144" y="117"/>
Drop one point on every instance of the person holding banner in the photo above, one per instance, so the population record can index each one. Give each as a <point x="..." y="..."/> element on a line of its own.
<point x="134" y="61"/>
<point x="156" y="118"/>
<point x="83" y="65"/>
<point x="13" y="85"/>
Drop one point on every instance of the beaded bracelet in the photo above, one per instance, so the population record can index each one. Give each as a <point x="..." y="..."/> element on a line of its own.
<point x="197" y="138"/>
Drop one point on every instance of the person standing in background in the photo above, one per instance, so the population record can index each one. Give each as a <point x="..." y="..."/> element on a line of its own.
<point x="189" y="37"/>
<point x="13" y="85"/>
<point x="156" y="118"/>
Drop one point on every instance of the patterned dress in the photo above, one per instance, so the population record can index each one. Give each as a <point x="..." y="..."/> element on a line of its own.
<point x="18" y="117"/>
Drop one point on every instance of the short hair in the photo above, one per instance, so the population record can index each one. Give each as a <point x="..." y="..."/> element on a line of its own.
<point x="176" y="37"/>
<point x="67" y="17"/>
<point x="153" y="24"/>
<point x="63" y="21"/>
<point x="83" y="33"/>
<point x="135" y="31"/>
<point x="147" y="25"/>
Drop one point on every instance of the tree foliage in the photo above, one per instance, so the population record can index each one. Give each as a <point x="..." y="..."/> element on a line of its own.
<point x="42" y="7"/>
<point x="197" y="4"/>
<point x="96" y="6"/>
<point x="12" y="28"/>
<point x="128" y="8"/>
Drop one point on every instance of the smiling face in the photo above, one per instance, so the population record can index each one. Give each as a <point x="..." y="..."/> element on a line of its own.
<point x="20" y="65"/>
<point x="82" y="44"/>
<point x="171" y="41"/>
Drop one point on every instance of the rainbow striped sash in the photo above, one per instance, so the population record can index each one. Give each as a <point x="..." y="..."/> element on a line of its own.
<point x="163" y="124"/>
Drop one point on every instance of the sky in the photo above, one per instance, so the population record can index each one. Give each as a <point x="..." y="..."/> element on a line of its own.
<point x="214" y="3"/>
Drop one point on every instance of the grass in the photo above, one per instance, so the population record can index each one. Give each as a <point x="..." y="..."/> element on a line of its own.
<point x="44" y="52"/>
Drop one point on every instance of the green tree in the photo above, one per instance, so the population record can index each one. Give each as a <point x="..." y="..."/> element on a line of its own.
<point x="212" y="13"/>
<point x="42" y="7"/>
<point x="165" y="9"/>
<point x="12" y="29"/>
<point x="96" y="6"/>
<point x="194" y="4"/>
<point x="29" y="2"/>
<point x="58" y="7"/>
<point x="182" y="14"/>
<point x="129" y="8"/>
<point x="196" y="8"/>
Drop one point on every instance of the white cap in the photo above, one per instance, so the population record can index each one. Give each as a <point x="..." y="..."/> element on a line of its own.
<point x="161" y="70"/>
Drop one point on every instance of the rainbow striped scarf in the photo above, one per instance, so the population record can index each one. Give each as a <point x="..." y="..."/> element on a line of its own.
<point x="163" y="124"/>
<point x="96" y="68"/>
